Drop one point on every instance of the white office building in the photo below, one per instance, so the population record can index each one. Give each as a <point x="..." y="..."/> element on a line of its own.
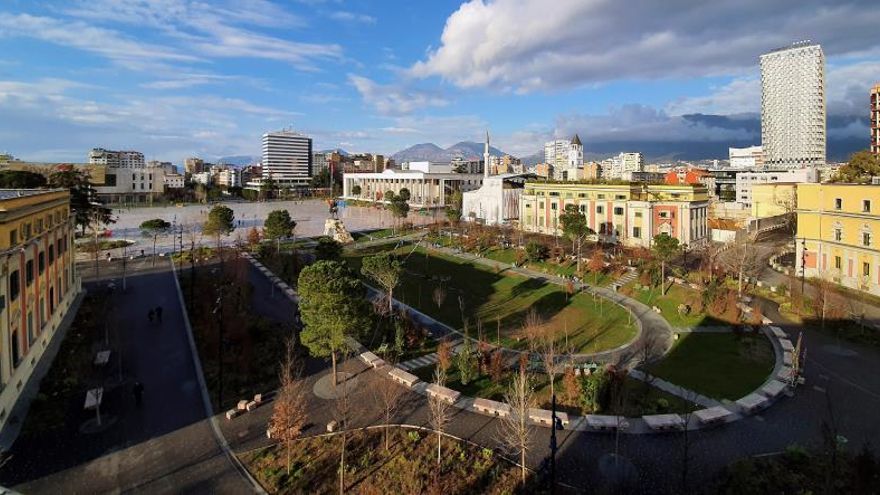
<point x="745" y="180"/>
<point x="750" y="158"/>
<point x="793" y="106"/>
<point x="564" y="153"/>
<point x="228" y="177"/>
<point x="622" y="166"/>
<point x="116" y="159"/>
<point x="287" y="158"/>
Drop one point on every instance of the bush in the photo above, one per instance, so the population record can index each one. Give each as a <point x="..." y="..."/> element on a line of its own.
<point x="413" y="436"/>
<point x="535" y="251"/>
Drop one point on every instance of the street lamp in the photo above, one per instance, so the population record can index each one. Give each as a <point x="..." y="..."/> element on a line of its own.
<point x="803" y="264"/>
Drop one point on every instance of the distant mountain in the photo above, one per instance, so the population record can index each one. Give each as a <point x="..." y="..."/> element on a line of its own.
<point x="337" y="150"/>
<point x="239" y="160"/>
<point x="433" y="153"/>
<point x="533" y="159"/>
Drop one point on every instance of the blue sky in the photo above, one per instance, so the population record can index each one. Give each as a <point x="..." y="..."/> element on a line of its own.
<point x="175" y="78"/>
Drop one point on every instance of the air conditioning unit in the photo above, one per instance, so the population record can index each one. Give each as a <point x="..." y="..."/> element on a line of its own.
<point x="875" y="181"/>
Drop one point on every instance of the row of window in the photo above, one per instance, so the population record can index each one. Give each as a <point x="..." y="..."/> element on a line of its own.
<point x="617" y="197"/>
<point x="14" y="282"/>
<point x="26" y="229"/>
<point x="867" y="237"/>
<point x="866" y="205"/>
<point x="866" y="267"/>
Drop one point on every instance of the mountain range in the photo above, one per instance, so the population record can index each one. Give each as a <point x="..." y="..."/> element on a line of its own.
<point x="433" y="153"/>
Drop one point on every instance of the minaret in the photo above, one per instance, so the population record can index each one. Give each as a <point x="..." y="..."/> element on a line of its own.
<point x="486" y="157"/>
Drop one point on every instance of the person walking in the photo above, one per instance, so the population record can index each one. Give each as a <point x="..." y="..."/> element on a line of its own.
<point x="159" y="313"/>
<point x="138" y="392"/>
<point x="151" y="314"/>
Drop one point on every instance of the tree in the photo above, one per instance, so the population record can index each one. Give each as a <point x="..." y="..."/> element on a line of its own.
<point x="153" y="229"/>
<point x="597" y="263"/>
<point x="21" y="179"/>
<point x="438" y="296"/>
<point x="86" y="208"/>
<point x="277" y="226"/>
<point x="268" y="188"/>
<point x="515" y="429"/>
<point x="289" y="415"/>
<point x="453" y="210"/>
<point x="665" y="248"/>
<point x="385" y="269"/>
<point x="220" y="223"/>
<point x="254" y="237"/>
<point x="356" y="190"/>
<point x="389" y="195"/>
<point x="535" y="251"/>
<point x="444" y="355"/>
<point x="328" y="249"/>
<point x="332" y="306"/>
<point x="439" y="409"/>
<point x="861" y="167"/>
<point x="742" y="259"/>
<point x="343" y="412"/>
<point x="574" y="226"/>
<point x="548" y="352"/>
<point x="388" y="394"/>
<point x="403" y="194"/>
<point x="399" y="208"/>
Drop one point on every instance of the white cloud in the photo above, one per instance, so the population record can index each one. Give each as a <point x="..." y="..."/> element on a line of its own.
<point x="395" y="99"/>
<point x="345" y="16"/>
<point x="525" y="45"/>
<point x="741" y="95"/>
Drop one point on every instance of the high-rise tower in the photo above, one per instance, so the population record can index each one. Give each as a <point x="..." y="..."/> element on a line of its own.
<point x="793" y="106"/>
<point x="486" y="156"/>
<point x="875" y="119"/>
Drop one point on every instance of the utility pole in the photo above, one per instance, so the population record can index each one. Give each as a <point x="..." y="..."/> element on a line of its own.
<point x="218" y="310"/>
<point x="803" y="265"/>
<point x="553" y="447"/>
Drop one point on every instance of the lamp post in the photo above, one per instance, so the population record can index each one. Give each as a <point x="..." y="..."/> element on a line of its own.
<point x="803" y="265"/>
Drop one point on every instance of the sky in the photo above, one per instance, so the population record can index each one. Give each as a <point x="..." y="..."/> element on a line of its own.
<point x="179" y="78"/>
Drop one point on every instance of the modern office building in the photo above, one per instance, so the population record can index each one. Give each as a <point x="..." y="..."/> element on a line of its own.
<point x="287" y="158"/>
<point x="615" y="168"/>
<point x="116" y="159"/>
<point x="746" y="180"/>
<point x="193" y="165"/>
<point x="629" y="214"/>
<point x="227" y="177"/>
<point x="875" y="119"/>
<point x="37" y="263"/>
<point x="428" y="187"/>
<point x="749" y="158"/>
<point x="564" y="153"/>
<point x="838" y="234"/>
<point x="793" y="106"/>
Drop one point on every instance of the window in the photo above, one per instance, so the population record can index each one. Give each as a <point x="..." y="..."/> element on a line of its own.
<point x="582" y="209"/>
<point x="838" y="234"/>
<point x="837" y="263"/>
<point x="866" y="205"/>
<point x="838" y="203"/>
<point x="553" y="205"/>
<point x="601" y="196"/>
<point x="30" y="328"/>
<point x="582" y="195"/>
<point x="637" y="232"/>
<point x="664" y="214"/>
<point x="29" y="272"/>
<point x="41" y="262"/>
<point x="27" y="231"/>
<point x="866" y="238"/>
<point x="16" y="353"/>
<point x="638" y="214"/>
<point x="14" y="286"/>
<point x="133" y="177"/>
<point x="600" y="209"/>
<point x="618" y="210"/>
<point x="541" y="205"/>
<point x="620" y="196"/>
<point x="51" y="253"/>
<point x="866" y="269"/>
<point x="13" y="237"/>
<point x="553" y="193"/>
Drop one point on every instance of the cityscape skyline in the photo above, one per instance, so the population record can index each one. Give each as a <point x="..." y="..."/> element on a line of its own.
<point x="190" y="79"/>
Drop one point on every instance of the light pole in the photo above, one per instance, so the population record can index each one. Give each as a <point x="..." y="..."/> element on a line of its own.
<point x="803" y="265"/>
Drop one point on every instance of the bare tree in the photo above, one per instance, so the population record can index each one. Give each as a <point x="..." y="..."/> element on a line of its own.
<point x="388" y="394"/>
<point x="289" y="414"/>
<point x="514" y="429"/>
<point x="548" y="352"/>
<point x="343" y="414"/>
<point x="439" y="296"/>
<point x="742" y="259"/>
<point x="439" y="409"/>
<point x="691" y="397"/>
<point x="531" y="328"/>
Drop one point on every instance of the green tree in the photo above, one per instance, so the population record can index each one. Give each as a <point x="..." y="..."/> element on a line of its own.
<point x="389" y="195"/>
<point x="21" y="179"/>
<point x="535" y="251"/>
<point x="220" y="223"/>
<point x="356" y="190"/>
<point x="268" y="188"/>
<point x="86" y="207"/>
<point x="333" y="306"/>
<point x="385" y="269"/>
<point x="399" y="208"/>
<point x="453" y="210"/>
<point x="862" y="166"/>
<point x="278" y="225"/>
<point x="328" y="249"/>
<point x="404" y="194"/>
<point x="153" y="229"/>
<point x="665" y="248"/>
<point x="574" y="226"/>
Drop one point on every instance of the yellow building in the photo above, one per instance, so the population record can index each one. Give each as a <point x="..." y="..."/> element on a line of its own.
<point x="838" y="234"/>
<point x="629" y="214"/>
<point x="39" y="282"/>
<point x="773" y="199"/>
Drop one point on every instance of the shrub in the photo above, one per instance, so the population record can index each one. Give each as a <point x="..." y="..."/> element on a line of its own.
<point x="413" y="436"/>
<point x="535" y="251"/>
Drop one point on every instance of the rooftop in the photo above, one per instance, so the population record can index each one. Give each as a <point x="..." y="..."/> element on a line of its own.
<point x="23" y="193"/>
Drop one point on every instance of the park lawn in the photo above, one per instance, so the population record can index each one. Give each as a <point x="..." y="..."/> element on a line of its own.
<point x="499" y="302"/>
<point x="668" y="305"/>
<point x="503" y="255"/>
<point x="371" y="235"/>
<point x="717" y="365"/>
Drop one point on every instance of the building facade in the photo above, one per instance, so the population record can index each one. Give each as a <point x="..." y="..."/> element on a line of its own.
<point x="838" y="234"/>
<point x="193" y="165"/>
<point x="427" y="189"/>
<point x="616" y="167"/>
<point x="629" y="214"/>
<point x="793" y="106"/>
<point x="751" y="157"/>
<point x="39" y="286"/>
<point x="497" y="201"/>
<point x="875" y="119"/>
<point x="116" y="159"/>
<point x="773" y="199"/>
<point x="128" y="185"/>
<point x="746" y="180"/>
<point x="564" y="153"/>
<point x="287" y="158"/>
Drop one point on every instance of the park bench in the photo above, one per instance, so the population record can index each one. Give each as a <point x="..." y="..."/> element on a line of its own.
<point x="242" y="405"/>
<point x="604" y="422"/>
<point x="102" y="358"/>
<point x="443" y="393"/>
<point x="403" y="377"/>
<point x="664" y="422"/>
<point x="752" y="402"/>
<point x="368" y="358"/>
<point x="778" y="332"/>
<point x="491" y="407"/>
<point x="786" y="358"/>
<point x="233" y="413"/>
<point x="784" y="374"/>
<point x="250" y="406"/>
<point x="786" y="345"/>
<point x="772" y="389"/>
<point x="545" y="417"/>
<point x="712" y="415"/>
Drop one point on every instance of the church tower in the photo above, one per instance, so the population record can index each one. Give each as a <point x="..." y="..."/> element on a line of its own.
<point x="486" y="157"/>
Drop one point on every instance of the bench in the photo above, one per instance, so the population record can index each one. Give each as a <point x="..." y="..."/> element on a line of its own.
<point x="712" y="415"/>
<point x="752" y="402"/>
<point x="403" y="377"/>
<point x="492" y="407"/>
<point x="250" y="406"/>
<point x="772" y="389"/>
<point x="545" y="417"/>
<point x="242" y="405"/>
<point x="102" y="358"/>
<point x="368" y="358"/>
<point x="664" y="422"/>
<point x="786" y="345"/>
<point x="785" y="374"/>
<point x="786" y="358"/>
<point x="604" y="422"/>
<point x="443" y="393"/>
<point x="233" y="413"/>
<point x="258" y="398"/>
<point x="778" y="332"/>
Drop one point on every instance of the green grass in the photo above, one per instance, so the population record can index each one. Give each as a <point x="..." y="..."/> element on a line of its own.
<point x="668" y="305"/>
<point x="490" y="297"/>
<point x="717" y="365"/>
<point x="371" y="235"/>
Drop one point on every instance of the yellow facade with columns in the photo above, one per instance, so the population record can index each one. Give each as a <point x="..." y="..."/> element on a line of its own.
<point x="838" y="234"/>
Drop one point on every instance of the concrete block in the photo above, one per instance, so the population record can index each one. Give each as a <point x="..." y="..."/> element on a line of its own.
<point x="232" y="413"/>
<point x="251" y="406"/>
<point x="242" y="405"/>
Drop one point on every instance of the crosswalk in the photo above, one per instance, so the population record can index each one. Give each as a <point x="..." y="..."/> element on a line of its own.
<point x="626" y="278"/>
<point x="429" y="359"/>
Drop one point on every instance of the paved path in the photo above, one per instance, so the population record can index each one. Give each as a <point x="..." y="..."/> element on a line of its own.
<point x="165" y="446"/>
<point x="674" y="389"/>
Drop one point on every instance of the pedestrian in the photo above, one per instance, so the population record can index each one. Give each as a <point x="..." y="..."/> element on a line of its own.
<point x="138" y="392"/>
<point x="159" y="313"/>
<point x="151" y="314"/>
<point x="109" y="258"/>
